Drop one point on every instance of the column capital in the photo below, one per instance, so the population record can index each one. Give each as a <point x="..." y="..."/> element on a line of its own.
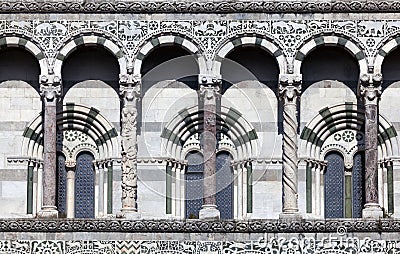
<point x="130" y="87"/>
<point x="207" y="79"/>
<point x="289" y="87"/>
<point x="370" y="87"/>
<point x="209" y="92"/>
<point x="70" y="164"/>
<point x="50" y="87"/>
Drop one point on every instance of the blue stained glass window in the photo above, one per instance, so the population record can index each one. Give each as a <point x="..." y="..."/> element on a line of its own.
<point x="61" y="185"/>
<point x="84" y="186"/>
<point x="194" y="185"/>
<point x="358" y="182"/>
<point x="334" y="186"/>
<point x="224" y="179"/>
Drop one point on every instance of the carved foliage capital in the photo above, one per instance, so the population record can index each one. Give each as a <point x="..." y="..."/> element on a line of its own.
<point x="70" y="163"/>
<point x="370" y="87"/>
<point x="289" y="87"/>
<point x="130" y="87"/>
<point x="50" y="87"/>
<point x="209" y="92"/>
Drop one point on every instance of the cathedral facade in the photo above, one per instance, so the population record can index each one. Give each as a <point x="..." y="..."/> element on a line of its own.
<point x="226" y="124"/>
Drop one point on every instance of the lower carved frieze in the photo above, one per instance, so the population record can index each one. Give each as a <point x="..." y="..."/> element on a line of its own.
<point x="199" y="226"/>
<point x="275" y="245"/>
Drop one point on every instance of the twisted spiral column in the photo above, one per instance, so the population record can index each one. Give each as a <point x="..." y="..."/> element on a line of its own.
<point x="289" y="93"/>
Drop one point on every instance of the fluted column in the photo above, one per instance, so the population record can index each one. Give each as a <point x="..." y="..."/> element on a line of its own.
<point x="130" y="95"/>
<point x="370" y="90"/>
<point x="50" y="90"/>
<point x="209" y="93"/>
<point x="289" y="91"/>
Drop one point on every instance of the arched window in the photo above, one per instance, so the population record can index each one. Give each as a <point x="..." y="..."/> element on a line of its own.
<point x="334" y="186"/>
<point x="84" y="186"/>
<point x="344" y="190"/>
<point x="358" y="185"/>
<point x="194" y="185"/>
<point x="61" y="186"/>
<point x="224" y="179"/>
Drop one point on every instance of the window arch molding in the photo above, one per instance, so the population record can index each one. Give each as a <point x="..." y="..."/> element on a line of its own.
<point x="340" y="127"/>
<point x="235" y="135"/>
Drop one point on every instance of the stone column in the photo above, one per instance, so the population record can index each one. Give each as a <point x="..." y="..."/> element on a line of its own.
<point x="130" y="95"/>
<point x="370" y="90"/>
<point x="289" y="91"/>
<point x="70" y="207"/>
<point x="209" y="93"/>
<point x="50" y="90"/>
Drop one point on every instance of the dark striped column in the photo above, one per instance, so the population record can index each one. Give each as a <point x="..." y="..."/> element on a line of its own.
<point x="209" y="94"/>
<point x="50" y="89"/>
<point x="130" y="88"/>
<point x="289" y="91"/>
<point x="370" y="90"/>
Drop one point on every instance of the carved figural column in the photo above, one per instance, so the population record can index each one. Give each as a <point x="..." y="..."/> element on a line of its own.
<point x="370" y="90"/>
<point x="130" y="93"/>
<point x="209" y="93"/>
<point x="289" y="90"/>
<point x="50" y="89"/>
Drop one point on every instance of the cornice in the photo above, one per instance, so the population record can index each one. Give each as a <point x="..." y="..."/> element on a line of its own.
<point x="194" y="226"/>
<point x="163" y="6"/>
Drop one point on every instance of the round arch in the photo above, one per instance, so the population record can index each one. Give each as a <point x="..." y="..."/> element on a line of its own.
<point x="74" y="117"/>
<point x="91" y="40"/>
<point x="28" y="45"/>
<point x="230" y="123"/>
<point x="257" y="41"/>
<point x="330" y="40"/>
<point x="161" y="40"/>
<point x="340" y="117"/>
<point x="386" y="48"/>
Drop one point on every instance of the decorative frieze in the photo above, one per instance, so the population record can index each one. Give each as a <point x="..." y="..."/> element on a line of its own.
<point x="336" y="243"/>
<point x="128" y="40"/>
<point x="199" y="226"/>
<point x="335" y="6"/>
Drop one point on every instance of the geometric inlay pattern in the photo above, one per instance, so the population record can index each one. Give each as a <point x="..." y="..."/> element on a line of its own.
<point x="337" y="244"/>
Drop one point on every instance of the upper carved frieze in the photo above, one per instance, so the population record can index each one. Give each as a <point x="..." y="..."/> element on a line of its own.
<point x="130" y="6"/>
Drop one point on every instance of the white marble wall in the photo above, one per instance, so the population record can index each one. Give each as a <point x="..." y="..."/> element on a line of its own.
<point x="19" y="104"/>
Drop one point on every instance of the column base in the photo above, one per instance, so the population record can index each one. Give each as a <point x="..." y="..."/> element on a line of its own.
<point x="48" y="212"/>
<point x="290" y="216"/>
<point x="128" y="213"/>
<point x="372" y="211"/>
<point x="209" y="212"/>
